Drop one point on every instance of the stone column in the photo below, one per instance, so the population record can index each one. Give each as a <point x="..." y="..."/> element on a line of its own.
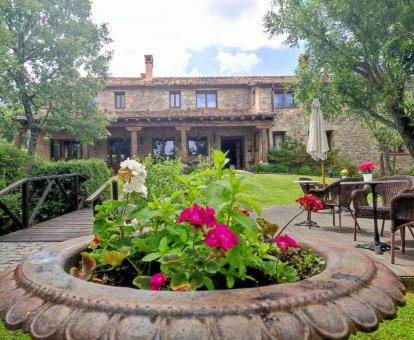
<point x="183" y="130"/>
<point x="134" y="139"/>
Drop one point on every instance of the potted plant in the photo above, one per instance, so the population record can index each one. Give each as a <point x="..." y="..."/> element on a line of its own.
<point x="344" y="173"/>
<point x="366" y="170"/>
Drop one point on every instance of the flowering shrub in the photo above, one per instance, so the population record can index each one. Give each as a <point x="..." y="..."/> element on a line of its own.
<point x="310" y="203"/>
<point x="366" y="168"/>
<point x="202" y="236"/>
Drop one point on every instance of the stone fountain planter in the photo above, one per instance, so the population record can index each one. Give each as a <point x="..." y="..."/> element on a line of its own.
<point x="352" y="293"/>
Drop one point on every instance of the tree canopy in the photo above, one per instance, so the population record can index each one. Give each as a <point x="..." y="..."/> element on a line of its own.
<point x="359" y="57"/>
<point x="53" y="62"/>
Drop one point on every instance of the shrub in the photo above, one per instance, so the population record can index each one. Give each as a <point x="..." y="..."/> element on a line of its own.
<point x="304" y="170"/>
<point x="14" y="164"/>
<point x="162" y="175"/>
<point x="270" y="168"/>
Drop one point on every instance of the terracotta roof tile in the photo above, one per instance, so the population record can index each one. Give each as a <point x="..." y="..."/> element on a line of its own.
<point x="198" y="81"/>
<point x="174" y="113"/>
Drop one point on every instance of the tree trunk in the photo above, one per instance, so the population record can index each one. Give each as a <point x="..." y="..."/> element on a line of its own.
<point x="382" y="164"/>
<point x="34" y="136"/>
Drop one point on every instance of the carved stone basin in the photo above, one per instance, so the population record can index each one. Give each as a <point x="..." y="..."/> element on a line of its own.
<point x="352" y="293"/>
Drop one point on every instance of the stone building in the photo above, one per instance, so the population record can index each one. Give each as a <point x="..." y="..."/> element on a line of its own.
<point x="190" y="116"/>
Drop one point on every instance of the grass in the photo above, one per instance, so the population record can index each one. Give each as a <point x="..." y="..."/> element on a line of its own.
<point x="402" y="327"/>
<point x="275" y="189"/>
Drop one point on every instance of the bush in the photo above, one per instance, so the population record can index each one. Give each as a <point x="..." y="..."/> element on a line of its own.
<point x="304" y="170"/>
<point x="270" y="168"/>
<point x="162" y="175"/>
<point x="292" y="154"/>
<point x="14" y="164"/>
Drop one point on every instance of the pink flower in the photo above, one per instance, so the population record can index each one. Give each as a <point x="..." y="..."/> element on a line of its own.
<point x="198" y="216"/>
<point x="96" y="239"/>
<point x="285" y="242"/>
<point x="366" y="168"/>
<point x="157" y="280"/>
<point x="221" y="237"/>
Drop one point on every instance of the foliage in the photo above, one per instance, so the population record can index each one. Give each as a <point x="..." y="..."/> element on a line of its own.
<point x="16" y="164"/>
<point x="200" y="237"/>
<point x="8" y="123"/>
<point x="44" y="45"/>
<point x="162" y="175"/>
<point x="292" y="154"/>
<point x="358" y="59"/>
<point x="270" y="168"/>
<point x="202" y="163"/>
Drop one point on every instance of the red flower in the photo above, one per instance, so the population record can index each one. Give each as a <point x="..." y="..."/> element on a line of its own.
<point x="157" y="280"/>
<point x="243" y="211"/>
<point x="198" y="216"/>
<point x="366" y="168"/>
<point x="310" y="203"/>
<point x="96" y="239"/>
<point x="285" y="242"/>
<point x="221" y="237"/>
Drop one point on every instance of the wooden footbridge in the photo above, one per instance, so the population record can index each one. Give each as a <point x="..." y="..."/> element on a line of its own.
<point x="70" y="225"/>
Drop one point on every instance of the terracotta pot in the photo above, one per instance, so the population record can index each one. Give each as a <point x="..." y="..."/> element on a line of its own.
<point x="352" y="293"/>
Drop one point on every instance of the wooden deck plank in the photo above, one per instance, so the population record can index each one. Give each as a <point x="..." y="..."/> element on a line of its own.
<point x="74" y="224"/>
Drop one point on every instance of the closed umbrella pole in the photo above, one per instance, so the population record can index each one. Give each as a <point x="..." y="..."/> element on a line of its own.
<point x="317" y="146"/>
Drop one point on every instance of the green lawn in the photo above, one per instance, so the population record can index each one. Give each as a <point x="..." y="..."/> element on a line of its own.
<point x="272" y="189"/>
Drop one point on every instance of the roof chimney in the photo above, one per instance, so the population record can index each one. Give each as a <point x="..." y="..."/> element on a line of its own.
<point x="149" y="64"/>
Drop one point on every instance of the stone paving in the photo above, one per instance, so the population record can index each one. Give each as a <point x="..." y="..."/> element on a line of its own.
<point x="11" y="253"/>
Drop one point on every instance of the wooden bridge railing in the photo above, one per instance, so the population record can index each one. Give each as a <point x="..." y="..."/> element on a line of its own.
<point x="27" y="219"/>
<point x="96" y="197"/>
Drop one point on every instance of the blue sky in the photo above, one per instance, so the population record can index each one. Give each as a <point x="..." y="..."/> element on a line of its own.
<point x="193" y="37"/>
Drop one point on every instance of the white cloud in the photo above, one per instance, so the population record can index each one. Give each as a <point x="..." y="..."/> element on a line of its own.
<point x="170" y="29"/>
<point x="240" y="62"/>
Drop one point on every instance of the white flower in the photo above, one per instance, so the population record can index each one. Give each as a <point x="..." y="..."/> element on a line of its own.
<point x="136" y="183"/>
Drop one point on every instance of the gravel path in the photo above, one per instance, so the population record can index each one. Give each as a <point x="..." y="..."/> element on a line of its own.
<point x="12" y="253"/>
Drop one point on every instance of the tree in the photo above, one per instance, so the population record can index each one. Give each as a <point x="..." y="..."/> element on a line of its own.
<point x="359" y="57"/>
<point x="45" y="46"/>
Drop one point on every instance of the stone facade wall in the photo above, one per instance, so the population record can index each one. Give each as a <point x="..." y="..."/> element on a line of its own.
<point x="158" y="99"/>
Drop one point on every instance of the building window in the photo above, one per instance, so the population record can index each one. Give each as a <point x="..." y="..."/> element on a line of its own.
<point x="119" y="149"/>
<point x="206" y="99"/>
<point x="283" y="99"/>
<point x="197" y="146"/>
<point x="65" y="149"/>
<point x="175" y="99"/>
<point x="278" y="138"/>
<point x="163" y="147"/>
<point x="120" y="100"/>
<point x="329" y="138"/>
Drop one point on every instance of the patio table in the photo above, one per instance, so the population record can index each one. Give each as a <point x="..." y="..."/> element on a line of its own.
<point x="308" y="222"/>
<point x="377" y="246"/>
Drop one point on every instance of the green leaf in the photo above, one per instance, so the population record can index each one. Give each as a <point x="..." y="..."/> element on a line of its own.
<point x="197" y="280"/>
<point x="100" y="226"/>
<point x="250" y="204"/>
<point x="208" y="283"/>
<point x="211" y="266"/>
<point x="142" y="282"/>
<point x="179" y="281"/>
<point x="163" y="246"/>
<point x="219" y="159"/>
<point x="246" y="221"/>
<point x="115" y="258"/>
<point x="230" y="281"/>
<point x="151" y="257"/>
<point x="169" y="258"/>
<point x="142" y="214"/>
<point x="141" y="245"/>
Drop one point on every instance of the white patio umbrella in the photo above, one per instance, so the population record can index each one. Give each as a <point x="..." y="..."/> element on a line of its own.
<point x="317" y="143"/>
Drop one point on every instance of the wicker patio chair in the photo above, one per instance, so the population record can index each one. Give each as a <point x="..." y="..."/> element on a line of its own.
<point x="336" y="197"/>
<point x="387" y="191"/>
<point x="402" y="216"/>
<point x="311" y="186"/>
